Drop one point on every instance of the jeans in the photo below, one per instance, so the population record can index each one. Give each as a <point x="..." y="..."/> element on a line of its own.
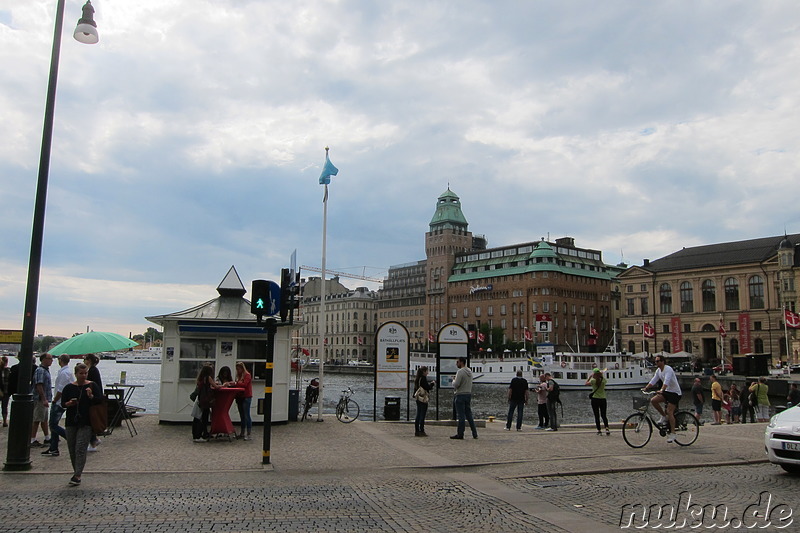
<point x="519" y="407"/>
<point x="246" y="422"/>
<point x="552" y="415"/>
<point x="599" y="409"/>
<point x="200" y="425"/>
<point x="56" y="411"/>
<point x="464" y="411"/>
<point x="419" y="421"/>
<point x="544" y="418"/>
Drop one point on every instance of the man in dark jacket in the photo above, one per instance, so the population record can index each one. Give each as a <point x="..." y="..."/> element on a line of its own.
<point x="517" y="398"/>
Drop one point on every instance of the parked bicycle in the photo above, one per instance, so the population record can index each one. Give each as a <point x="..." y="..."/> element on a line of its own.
<point x="312" y="395"/>
<point x="638" y="428"/>
<point x="347" y="409"/>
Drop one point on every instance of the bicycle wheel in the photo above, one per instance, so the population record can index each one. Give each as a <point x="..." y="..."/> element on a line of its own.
<point x="637" y="430"/>
<point x="348" y="411"/>
<point x="687" y="429"/>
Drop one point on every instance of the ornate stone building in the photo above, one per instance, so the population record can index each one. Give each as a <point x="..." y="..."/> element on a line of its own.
<point x="687" y="295"/>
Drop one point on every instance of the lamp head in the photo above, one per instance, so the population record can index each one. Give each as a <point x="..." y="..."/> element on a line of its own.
<point x="86" y="30"/>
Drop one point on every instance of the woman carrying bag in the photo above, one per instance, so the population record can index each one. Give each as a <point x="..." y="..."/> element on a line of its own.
<point x="421" y="389"/>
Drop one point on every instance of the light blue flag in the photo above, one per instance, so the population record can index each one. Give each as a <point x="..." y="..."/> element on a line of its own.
<point x="327" y="171"/>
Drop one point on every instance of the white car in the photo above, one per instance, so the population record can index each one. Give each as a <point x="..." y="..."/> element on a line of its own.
<point x="782" y="439"/>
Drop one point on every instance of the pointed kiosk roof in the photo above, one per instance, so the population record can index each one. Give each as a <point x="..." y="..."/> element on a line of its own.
<point x="229" y="312"/>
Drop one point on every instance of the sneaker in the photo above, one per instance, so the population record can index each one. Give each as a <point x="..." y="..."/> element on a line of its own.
<point x="599" y="432"/>
<point x="200" y="440"/>
<point x="474" y="436"/>
<point x="91" y="448"/>
<point x="47" y="440"/>
<point x="247" y="437"/>
<point x="715" y="423"/>
<point x="507" y="429"/>
<point x="540" y="427"/>
<point x="423" y="434"/>
<point x="35" y="444"/>
<point x="671" y="437"/>
<point x="519" y="429"/>
<point x="51" y="453"/>
<point x="74" y="481"/>
<point x="608" y="431"/>
<point x="457" y="437"/>
<point x="663" y="421"/>
<point x="550" y="429"/>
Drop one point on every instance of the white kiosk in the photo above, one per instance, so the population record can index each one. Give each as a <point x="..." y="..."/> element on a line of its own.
<point x="221" y="332"/>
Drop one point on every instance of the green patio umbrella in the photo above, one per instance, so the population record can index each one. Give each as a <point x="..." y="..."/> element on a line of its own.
<point x="93" y="342"/>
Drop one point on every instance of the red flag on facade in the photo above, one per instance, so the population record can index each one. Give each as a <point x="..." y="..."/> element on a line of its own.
<point x="722" y="332"/>
<point x="326" y="341"/>
<point x="430" y="337"/>
<point x="648" y="330"/>
<point x="792" y="319"/>
<point x="471" y="335"/>
<point x="481" y="337"/>
<point x="592" y="331"/>
<point x="528" y="335"/>
<point x="306" y="352"/>
<point x="360" y="341"/>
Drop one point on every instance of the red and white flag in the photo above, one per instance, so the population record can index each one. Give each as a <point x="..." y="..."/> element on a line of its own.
<point x="471" y="335"/>
<point x="792" y="319"/>
<point x="528" y="335"/>
<point x="326" y="341"/>
<point x="360" y="341"/>
<point x="306" y="352"/>
<point x="481" y="337"/>
<point x="648" y="330"/>
<point x="592" y="331"/>
<point x="430" y="337"/>
<point x="722" y="332"/>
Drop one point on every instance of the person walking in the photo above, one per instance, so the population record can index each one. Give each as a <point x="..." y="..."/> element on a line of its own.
<point x="598" y="397"/>
<point x="42" y="391"/>
<point x="517" y="399"/>
<point x="5" y="393"/>
<point x="244" y="380"/>
<point x="748" y="408"/>
<point x="77" y="397"/>
<point x="793" y="398"/>
<point x="541" y="403"/>
<point x="698" y="399"/>
<point x="553" y="400"/>
<point x="716" y="400"/>
<point x="63" y="378"/>
<point x="762" y="395"/>
<point x="462" y="398"/>
<point x="422" y="388"/>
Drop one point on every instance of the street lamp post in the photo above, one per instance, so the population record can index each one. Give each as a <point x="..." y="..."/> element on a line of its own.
<point x="18" y="456"/>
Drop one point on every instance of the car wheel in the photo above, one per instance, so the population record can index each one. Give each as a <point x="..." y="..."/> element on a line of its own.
<point x="792" y="469"/>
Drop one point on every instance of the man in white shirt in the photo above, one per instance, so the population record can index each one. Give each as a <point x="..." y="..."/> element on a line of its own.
<point x="670" y="393"/>
<point x="63" y="377"/>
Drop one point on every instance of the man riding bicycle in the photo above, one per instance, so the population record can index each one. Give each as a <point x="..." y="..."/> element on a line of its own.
<point x="670" y="393"/>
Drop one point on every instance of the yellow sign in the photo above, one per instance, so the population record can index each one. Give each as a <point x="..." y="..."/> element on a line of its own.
<point x="10" y="336"/>
<point x="392" y="355"/>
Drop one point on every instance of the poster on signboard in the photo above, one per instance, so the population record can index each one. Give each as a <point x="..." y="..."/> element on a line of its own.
<point x="453" y="343"/>
<point x="391" y="365"/>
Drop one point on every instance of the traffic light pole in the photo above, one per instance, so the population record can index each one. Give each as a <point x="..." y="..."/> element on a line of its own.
<point x="271" y="327"/>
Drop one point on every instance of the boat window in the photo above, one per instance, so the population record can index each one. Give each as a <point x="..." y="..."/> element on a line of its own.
<point x="572" y="375"/>
<point x="558" y="375"/>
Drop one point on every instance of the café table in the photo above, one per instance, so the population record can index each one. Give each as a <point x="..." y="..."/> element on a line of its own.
<point x="221" y="424"/>
<point x="124" y="393"/>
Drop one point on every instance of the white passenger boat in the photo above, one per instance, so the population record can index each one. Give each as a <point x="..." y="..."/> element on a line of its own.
<point x="146" y="357"/>
<point x="570" y="370"/>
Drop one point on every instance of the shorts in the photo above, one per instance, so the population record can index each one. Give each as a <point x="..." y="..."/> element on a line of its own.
<point x="716" y="405"/>
<point x="698" y="408"/>
<point x="671" y="397"/>
<point x="40" y="412"/>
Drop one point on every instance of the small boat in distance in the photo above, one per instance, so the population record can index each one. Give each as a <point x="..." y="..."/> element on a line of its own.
<point x="151" y="356"/>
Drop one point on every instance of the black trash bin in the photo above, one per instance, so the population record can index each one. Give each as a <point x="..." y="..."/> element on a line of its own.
<point x="391" y="408"/>
<point x="294" y="404"/>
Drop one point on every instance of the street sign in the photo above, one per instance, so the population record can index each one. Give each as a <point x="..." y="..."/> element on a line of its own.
<point x="10" y="336"/>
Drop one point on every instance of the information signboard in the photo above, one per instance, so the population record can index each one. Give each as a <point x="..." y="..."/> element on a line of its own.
<point x="391" y="364"/>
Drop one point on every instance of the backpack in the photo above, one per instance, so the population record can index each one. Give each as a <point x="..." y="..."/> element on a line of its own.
<point x="754" y="397"/>
<point x="554" y="395"/>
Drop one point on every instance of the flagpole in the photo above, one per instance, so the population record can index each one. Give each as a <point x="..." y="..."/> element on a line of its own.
<point x="322" y="319"/>
<point x="722" y="344"/>
<point x="786" y="335"/>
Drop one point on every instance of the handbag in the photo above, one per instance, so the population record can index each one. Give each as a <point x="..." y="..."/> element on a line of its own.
<point x="421" y="395"/>
<point x="98" y="417"/>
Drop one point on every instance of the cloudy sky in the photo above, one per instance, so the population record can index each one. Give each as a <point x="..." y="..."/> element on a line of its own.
<point x="192" y="136"/>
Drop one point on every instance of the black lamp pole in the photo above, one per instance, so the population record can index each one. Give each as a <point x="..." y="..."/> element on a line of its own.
<point x="18" y="456"/>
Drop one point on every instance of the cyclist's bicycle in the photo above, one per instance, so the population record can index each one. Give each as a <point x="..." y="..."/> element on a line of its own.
<point x="638" y="428"/>
<point x="312" y="395"/>
<point x="347" y="409"/>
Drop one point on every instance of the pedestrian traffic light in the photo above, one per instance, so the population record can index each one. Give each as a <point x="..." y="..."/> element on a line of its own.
<point x="289" y="289"/>
<point x="260" y="298"/>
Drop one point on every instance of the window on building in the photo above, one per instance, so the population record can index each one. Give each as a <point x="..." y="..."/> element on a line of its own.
<point x="756" y="290"/>
<point x="466" y="313"/>
<point x="666" y="347"/>
<point x="734" y="346"/>
<point x="503" y="309"/>
<point x="757" y="325"/>
<point x="687" y="328"/>
<point x="687" y="297"/>
<point x="709" y="291"/>
<point x="687" y="346"/>
<point x="631" y="346"/>
<point x="664" y="328"/>
<point x="631" y="307"/>
<point x="665" y="297"/>
<point x="759" y="345"/>
<point x="644" y="305"/>
<point x="194" y="353"/>
<point x="731" y="294"/>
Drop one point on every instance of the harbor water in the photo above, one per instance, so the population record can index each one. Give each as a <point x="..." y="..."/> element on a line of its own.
<point x="487" y="400"/>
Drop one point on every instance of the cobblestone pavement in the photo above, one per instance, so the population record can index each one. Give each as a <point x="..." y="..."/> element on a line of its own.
<point x="602" y="497"/>
<point x="375" y="476"/>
